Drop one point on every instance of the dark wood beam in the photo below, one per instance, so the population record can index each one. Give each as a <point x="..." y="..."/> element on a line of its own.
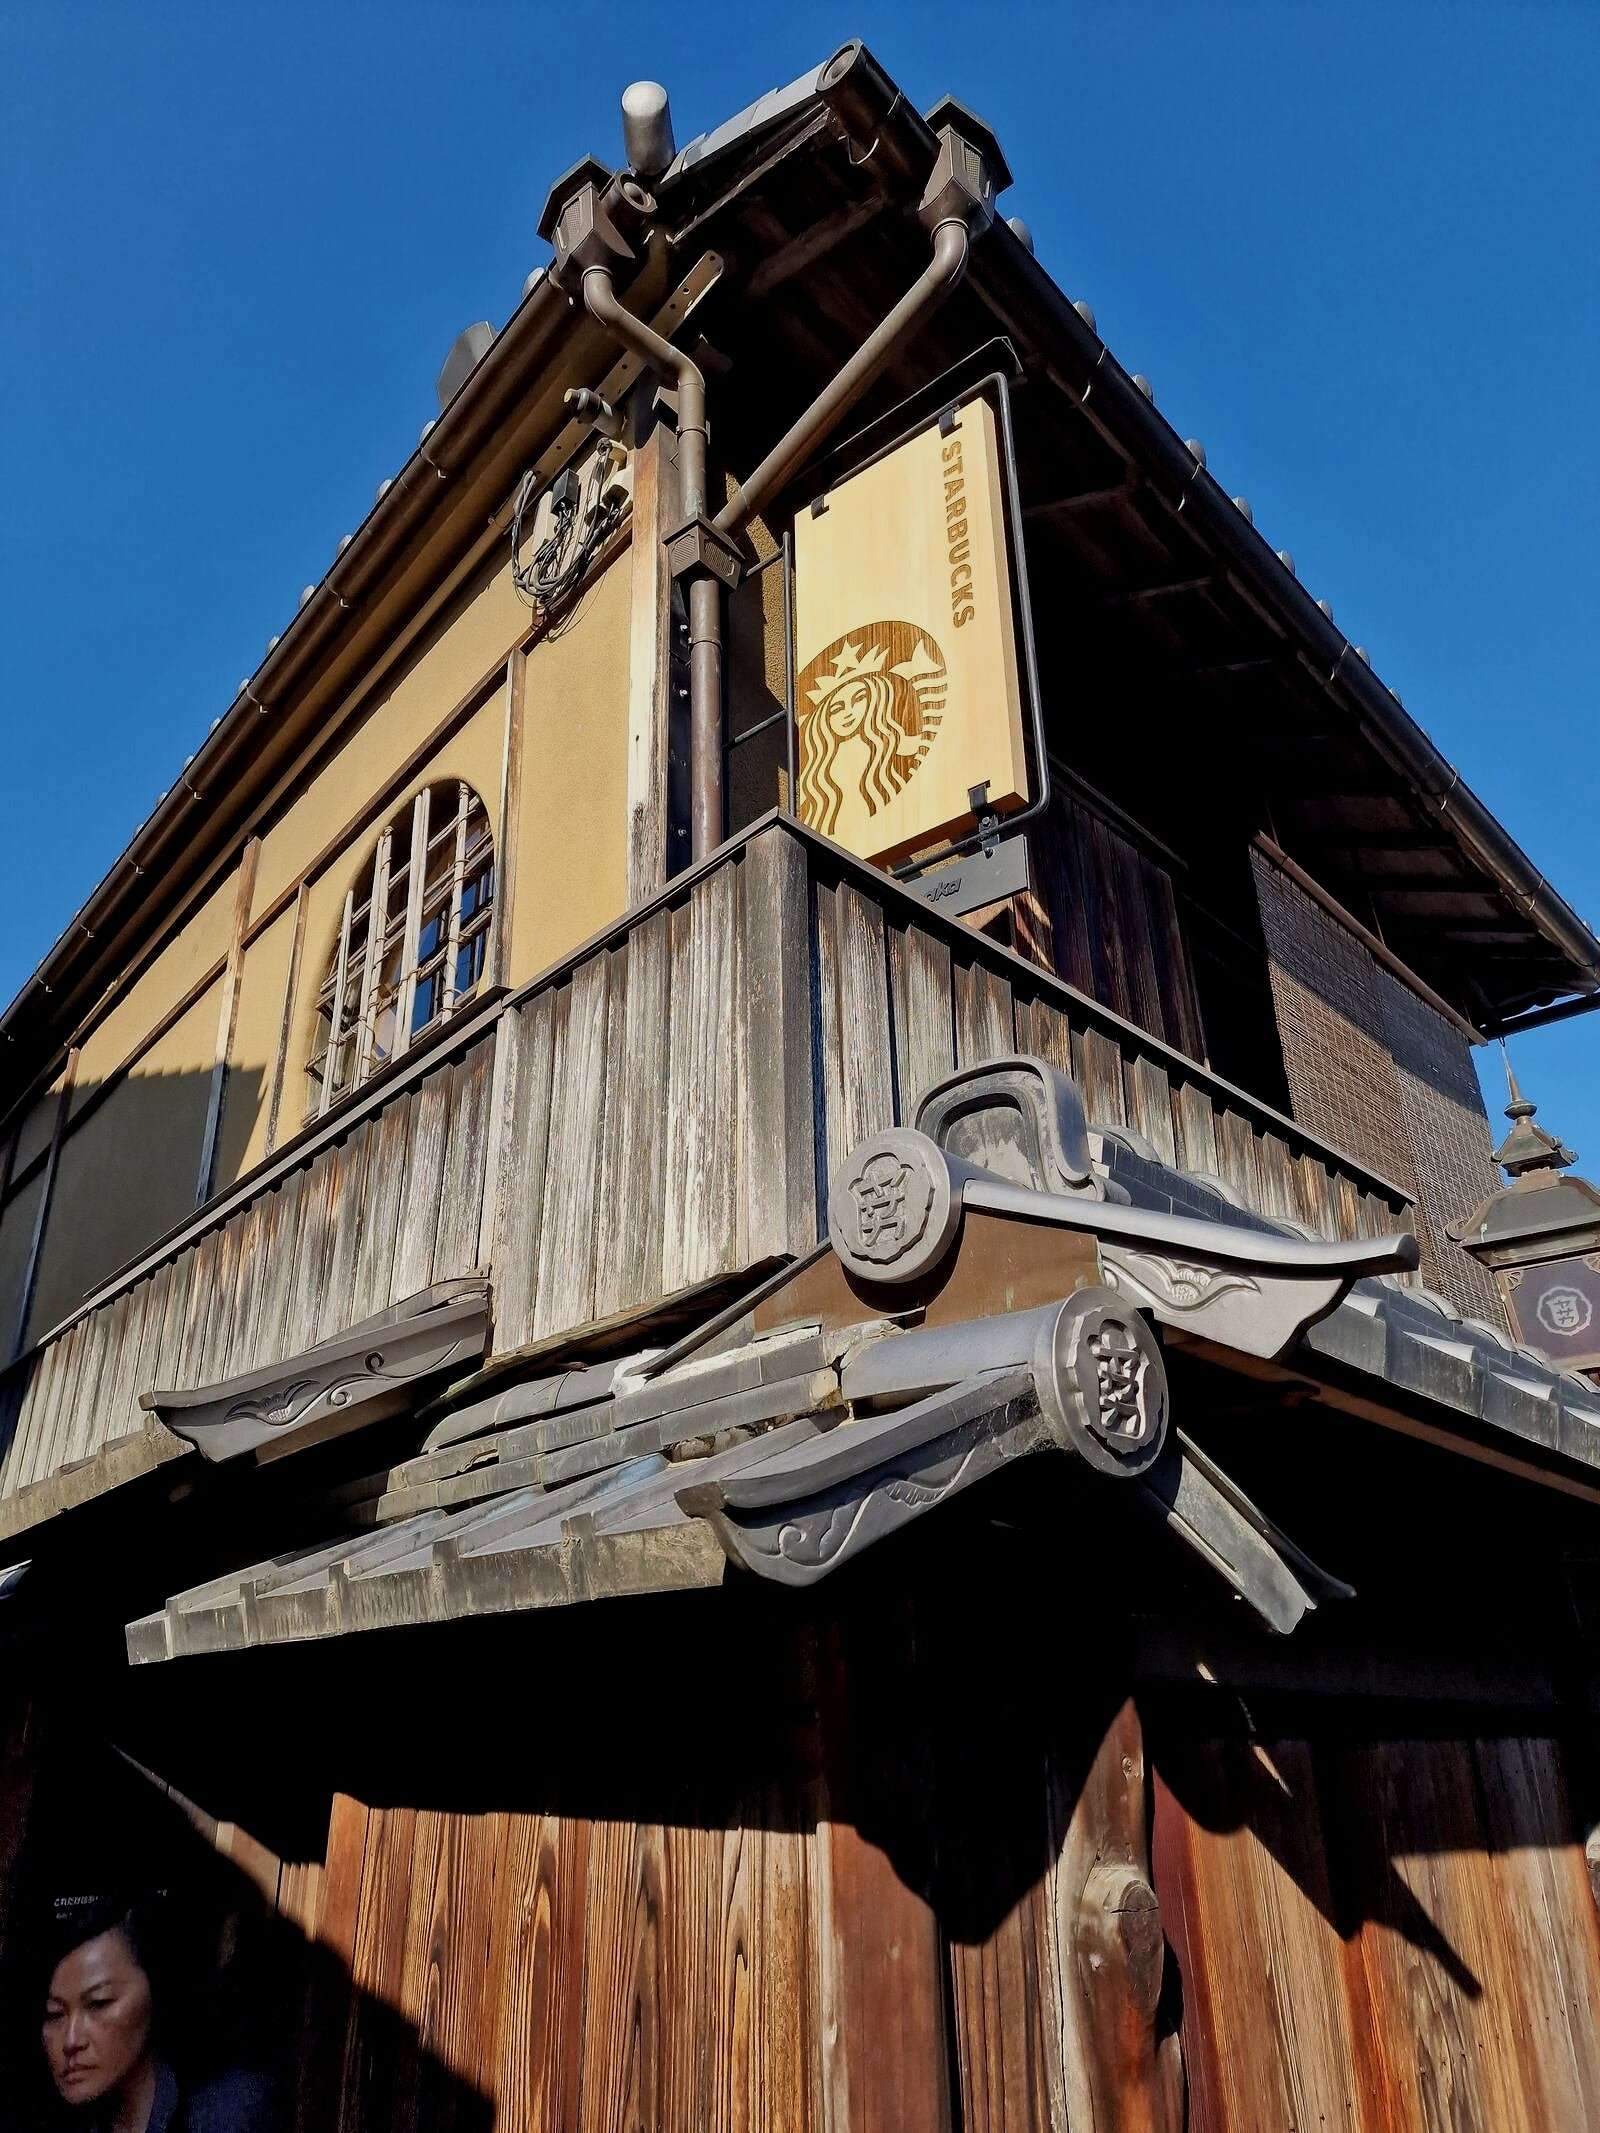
<point x="1541" y="1017"/>
<point x="1237" y="666"/>
<point x="1086" y="499"/>
<point x="1380" y="840"/>
<point x="1135" y="594"/>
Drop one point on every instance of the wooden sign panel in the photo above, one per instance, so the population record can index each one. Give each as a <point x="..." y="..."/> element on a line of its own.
<point x="908" y="691"/>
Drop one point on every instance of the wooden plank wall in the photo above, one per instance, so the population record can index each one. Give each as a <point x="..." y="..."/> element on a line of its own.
<point x="1391" y="1936"/>
<point x="659" y="1116"/>
<point x="1102" y="914"/>
<point x="664" y="1110"/>
<point x="884" y="1875"/>
<point x="900" y="1006"/>
<point x="845" y="1899"/>
<point x="863" y="1861"/>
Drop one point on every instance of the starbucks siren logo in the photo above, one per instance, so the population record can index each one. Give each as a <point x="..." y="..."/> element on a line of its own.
<point x="867" y="718"/>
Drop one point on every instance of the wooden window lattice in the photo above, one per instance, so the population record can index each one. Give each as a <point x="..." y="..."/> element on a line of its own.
<point x="413" y="940"/>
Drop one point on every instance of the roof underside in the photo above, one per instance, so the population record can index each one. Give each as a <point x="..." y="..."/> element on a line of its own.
<point x="1156" y="607"/>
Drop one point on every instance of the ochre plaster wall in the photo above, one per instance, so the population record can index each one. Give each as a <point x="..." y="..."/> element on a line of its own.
<point x="258" y="1017"/>
<point x="474" y="637"/>
<point x="198" y="945"/>
<point x="128" y="1170"/>
<point x="129" y="1165"/>
<point x="572" y="822"/>
<point x="16" y="1238"/>
<point x="36" y="1126"/>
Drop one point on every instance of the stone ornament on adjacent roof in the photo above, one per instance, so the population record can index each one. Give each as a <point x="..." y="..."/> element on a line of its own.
<point x="1540" y="1234"/>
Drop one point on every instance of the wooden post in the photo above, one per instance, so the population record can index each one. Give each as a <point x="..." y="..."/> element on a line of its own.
<point x="41" y="1219"/>
<point x="1107" y="1947"/>
<point x="291" y="985"/>
<point x="780" y="1154"/>
<point x="505" y="858"/>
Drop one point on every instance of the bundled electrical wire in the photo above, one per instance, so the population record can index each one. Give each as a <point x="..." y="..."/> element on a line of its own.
<point x="582" y="516"/>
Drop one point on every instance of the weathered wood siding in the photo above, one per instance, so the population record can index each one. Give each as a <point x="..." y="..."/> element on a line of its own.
<point x="1101" y="913"/>
<point x="904" y="1000"/>
<point x="374" y="1216"/>
<point x="658" y="1108"/>
<point x="1379" y="1936"/>
<point x="664" y="1109"/>
<point x="865" y="1860"/>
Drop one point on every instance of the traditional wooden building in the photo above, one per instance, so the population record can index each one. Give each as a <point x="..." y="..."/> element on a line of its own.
<point x="742" y="1389"/>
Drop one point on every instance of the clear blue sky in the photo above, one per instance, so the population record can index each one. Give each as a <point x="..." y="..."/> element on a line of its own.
<point x="1353" y="245"/>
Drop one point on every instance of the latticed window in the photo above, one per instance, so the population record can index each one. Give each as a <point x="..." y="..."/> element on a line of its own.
<point x="413" y="942"/>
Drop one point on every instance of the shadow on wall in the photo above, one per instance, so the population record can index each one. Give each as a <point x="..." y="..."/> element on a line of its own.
<point x="245" y="1998"/>
<point x="128" y="1171"/>
<point x="945" y="1697"/>
<point x="540" y="1836"/>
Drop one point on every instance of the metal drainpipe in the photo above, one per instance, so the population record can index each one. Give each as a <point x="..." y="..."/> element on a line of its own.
<point x="705" y="594"/>
<point x="952" y="243"/>
<point x="588" y="229"/>
<point x="951" y="246"/>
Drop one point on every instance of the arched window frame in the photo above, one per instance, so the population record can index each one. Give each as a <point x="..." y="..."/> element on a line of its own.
<point x="414" y="942"/>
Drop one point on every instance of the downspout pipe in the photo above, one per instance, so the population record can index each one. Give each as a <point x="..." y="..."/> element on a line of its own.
<point x="592" y="219"/>
<point x="952" y="247"/>
<point x="704" y="589"/>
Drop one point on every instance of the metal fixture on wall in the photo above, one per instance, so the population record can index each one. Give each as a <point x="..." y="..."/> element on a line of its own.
<point x="571" y="519"/>
<point x="598" y="222"/>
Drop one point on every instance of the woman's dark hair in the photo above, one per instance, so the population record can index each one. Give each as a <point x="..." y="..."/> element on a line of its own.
<point x="143" y="1923"/>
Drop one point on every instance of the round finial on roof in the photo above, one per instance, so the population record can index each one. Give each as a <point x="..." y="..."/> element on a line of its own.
<point x="647" y="140"/>
<point x="383" y="489"/>
<point x="1363" y="655"/>
<point x="1145" y="386"/>
<point x="1327" y="608"/>
<point x="344" y="544"/>
<point x="307" y="592"/>
<point x="1196" y="450"/>
<point x="532" y="282"/>
<point x="427" y="431"/>
<point x="1085" y="313"/>
<point x="1241" y="505"/>
<point x="1020" y="230"/>
<point x="1287" y="560"/>
<point x="273" y="643"/>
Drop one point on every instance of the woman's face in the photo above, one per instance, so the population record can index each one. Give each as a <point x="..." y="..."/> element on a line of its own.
<point x="847" y="707"/>
<point x="96" y="2018"/>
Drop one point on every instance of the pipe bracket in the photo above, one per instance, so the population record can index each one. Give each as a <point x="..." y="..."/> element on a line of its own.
<point x="696" y="548"/>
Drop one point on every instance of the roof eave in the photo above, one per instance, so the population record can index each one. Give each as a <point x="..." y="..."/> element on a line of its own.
<point x="1008" y="275"/>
